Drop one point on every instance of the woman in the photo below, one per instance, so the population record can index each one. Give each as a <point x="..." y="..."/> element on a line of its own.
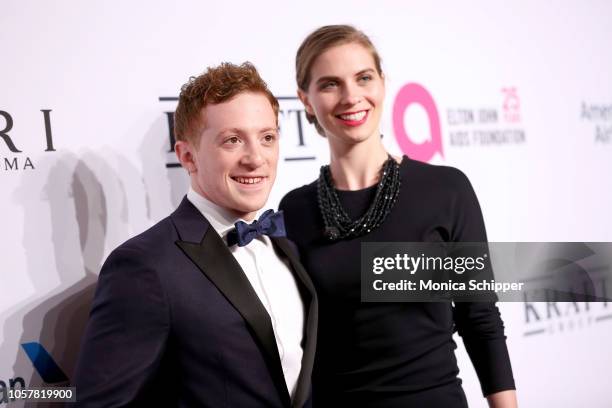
<point x="382" y="354"/>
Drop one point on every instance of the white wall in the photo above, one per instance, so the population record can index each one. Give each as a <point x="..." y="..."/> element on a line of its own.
<point x="101" y="67"/>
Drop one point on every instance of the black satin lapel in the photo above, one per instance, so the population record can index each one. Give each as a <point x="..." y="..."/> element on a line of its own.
<point x="216" y="262"/>
<point x="290" y="252"/>
<point x="303" y="388"/>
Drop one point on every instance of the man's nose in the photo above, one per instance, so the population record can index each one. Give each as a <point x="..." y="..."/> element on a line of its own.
<point x="253" y="156"/>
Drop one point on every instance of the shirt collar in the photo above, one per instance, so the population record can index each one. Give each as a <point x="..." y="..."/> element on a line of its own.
<point x="221" y="219"/>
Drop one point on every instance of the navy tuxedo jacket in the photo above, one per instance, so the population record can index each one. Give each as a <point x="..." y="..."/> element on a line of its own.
<point x="176" y="323"/>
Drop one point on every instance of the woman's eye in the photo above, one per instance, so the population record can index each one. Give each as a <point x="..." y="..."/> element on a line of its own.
<point x="365" y="78"/>
<point x="270" y="138"/>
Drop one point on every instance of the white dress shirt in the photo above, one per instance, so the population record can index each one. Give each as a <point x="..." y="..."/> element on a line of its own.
<point x="273" y="283"/>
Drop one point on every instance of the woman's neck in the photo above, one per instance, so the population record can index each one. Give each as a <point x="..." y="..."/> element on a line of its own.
<point x="357" y="166"/>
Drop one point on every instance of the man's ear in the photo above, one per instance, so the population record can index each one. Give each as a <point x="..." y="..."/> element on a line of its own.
<point x="184" y="154"/>
<point x="304" y="98"/>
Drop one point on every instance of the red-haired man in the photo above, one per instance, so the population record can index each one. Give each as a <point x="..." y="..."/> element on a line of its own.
<point x="208" y="308"/>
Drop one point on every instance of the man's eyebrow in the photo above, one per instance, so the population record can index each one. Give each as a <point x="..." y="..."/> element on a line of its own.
<point x="234" y="130"/>
<point x="228" y="130"/>
<point x="269" y="129"/>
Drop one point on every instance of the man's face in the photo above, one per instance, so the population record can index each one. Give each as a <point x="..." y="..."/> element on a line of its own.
<point x="234" y="165"/>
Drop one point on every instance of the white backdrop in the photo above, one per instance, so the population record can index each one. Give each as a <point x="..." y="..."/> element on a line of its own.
<point x="522" y="91"/>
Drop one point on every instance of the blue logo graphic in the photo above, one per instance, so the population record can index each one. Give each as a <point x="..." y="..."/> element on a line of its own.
<point x="47" y="368"/>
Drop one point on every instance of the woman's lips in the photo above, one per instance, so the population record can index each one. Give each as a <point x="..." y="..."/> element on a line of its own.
<point x="353" y="118"/>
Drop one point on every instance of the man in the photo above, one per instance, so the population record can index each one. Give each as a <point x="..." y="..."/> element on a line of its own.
<point x="194" y="312"/>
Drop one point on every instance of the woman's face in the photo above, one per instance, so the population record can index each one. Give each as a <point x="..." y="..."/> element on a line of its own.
<point x="346" y="93"/>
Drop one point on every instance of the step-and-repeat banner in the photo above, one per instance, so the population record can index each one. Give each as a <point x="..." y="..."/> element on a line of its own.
<point x="517" y="95"/>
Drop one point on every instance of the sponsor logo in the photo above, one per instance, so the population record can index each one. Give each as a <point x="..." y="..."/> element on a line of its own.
<point x="296" y="131"/>
<point x="44" y="364"/>
<point x="558" y="317"/>
<point x="574" y="261"/>
<point x="416" y="94"/>
<point x="482" y="126"/>
<point x="12" y="157"/>
<point x="599" y="116"/>
<point x="10" y="384"/>
<point x="46" y="367"/>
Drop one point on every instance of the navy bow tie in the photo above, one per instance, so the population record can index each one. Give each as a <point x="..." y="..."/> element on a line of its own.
<point x="270" y="223"/>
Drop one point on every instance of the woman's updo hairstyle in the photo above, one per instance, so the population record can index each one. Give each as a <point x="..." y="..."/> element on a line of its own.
<point x="320" y="41"/>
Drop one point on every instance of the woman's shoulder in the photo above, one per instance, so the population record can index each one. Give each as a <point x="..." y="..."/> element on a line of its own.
<point x="301" y="213"/>
<point x="431" y="175"/>
<point x="300" y="197"/>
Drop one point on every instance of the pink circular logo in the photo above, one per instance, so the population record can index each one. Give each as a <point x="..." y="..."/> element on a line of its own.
<point x="409" y="94"/>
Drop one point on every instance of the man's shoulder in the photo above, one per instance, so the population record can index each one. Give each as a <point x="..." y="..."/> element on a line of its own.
<point x="150" y="242"/>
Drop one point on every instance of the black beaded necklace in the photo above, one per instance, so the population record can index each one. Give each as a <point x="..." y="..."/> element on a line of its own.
<point x="338" y="224"/>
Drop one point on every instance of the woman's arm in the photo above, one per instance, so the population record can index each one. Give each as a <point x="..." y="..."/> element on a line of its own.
<point x="503" y="399"/>
<point x="479" y="323"/>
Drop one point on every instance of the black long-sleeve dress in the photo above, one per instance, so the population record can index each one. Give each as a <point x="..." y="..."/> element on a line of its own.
<point x="396" y="354"/>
